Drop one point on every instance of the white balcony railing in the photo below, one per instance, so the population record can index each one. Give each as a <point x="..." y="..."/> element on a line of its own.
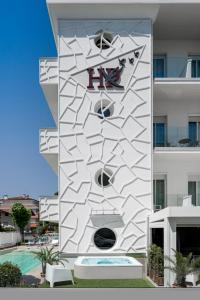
<point x="48" y="141"/>
<point x="48" y="71"/>
<point x="182" y="67"/>
<point x="177" y="200"/>
<point x="176" y="137"/>
<point x="49" y="209"/>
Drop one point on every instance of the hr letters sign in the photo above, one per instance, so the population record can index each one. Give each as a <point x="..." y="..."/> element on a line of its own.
<point x="109" y="77"/>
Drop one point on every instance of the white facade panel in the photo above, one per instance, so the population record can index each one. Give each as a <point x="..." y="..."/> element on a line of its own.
<point x="49" y="209"/>
<point x="49" y="141"/>
<point x="119" y="144"/>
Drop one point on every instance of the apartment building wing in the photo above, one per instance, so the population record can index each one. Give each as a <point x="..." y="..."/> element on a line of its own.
<point x="126" y="146"/>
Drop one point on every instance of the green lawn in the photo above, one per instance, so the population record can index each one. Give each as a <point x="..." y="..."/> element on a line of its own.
<point x="105" y="283"/>
<point x="136" y="255"/>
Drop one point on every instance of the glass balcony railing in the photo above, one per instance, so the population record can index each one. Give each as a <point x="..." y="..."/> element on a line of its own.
<point x="176" y="67"/>
<point x="176" y="136"/>
<point x="177" y="200"/>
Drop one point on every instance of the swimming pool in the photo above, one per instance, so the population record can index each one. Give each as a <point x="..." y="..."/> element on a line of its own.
<point x="25" y="260"/>
<point x="107" y="261"/>
<point x="107" y="267"/>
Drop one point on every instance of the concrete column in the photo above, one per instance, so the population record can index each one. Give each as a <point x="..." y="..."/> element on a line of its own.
<point x="169" y="244"/>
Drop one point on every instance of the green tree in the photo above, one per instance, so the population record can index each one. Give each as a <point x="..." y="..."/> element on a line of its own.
<point x="21" y="216"/>
<point x="181" y="266"/>
<point x="49" y="256"/>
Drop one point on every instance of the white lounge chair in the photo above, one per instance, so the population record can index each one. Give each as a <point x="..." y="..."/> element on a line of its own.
<point x="55" y="242"/>
<point x="187" y="201"/>
<point x="58" y="273"/>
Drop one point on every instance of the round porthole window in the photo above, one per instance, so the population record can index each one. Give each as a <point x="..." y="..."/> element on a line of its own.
<point x="104" y="238"/>
<point x="104" y="177"/>
<point x="104" y="109"/>
<point x="103" y="39"/>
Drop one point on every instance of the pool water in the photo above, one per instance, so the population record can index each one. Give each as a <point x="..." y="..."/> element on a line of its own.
<point x="25" y="260"/>
<point x="106" y="261"/>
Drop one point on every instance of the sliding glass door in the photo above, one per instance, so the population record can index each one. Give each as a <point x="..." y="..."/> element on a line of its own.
<point x="159" y="193"/>
<point x="195" y="72"/>
<point x="159" y="66"/>
<point x="159" y="134"/>
<point x="194" y="190"/>
<point x="194" y="133"/>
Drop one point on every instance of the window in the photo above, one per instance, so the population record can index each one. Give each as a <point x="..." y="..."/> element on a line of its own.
<point x="159" y="131"/>
<point x="195" y="66"/>
<point x="104" y="108"/>
<point x="159" y="193"/>
<point x="103" y="112"/>
<point x="104" y="177"/>
<point x="194" y="189"/>
<point x="159" y="66"/>
<point x="104" y="238"/>
<point x="103" y="39"/>
<point x="194" y="131"/>
<point x="6" y="214"/>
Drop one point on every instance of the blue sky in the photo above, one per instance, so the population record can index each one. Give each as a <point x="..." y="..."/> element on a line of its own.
<point x="25" y="37"/>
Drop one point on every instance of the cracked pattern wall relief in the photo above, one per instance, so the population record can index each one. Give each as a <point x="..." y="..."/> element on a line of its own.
<point x="49" y="209"/>
<point x="118" y="143"/>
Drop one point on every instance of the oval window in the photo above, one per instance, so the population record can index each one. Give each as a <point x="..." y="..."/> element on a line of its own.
<point x="104" y="238"/>
<point x="104" y="177"/>
<point x="104" y="108"/>
<point x="103" y="39"/>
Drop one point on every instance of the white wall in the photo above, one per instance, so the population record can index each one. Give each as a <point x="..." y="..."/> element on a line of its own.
<point x="178" y="168"/>
<point x="6" y="220"/>
<point x="122" y="143"/>
<point x="177" y="53"/>
<point x="9" y="239"/>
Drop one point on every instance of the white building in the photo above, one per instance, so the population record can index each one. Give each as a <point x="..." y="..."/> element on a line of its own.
<point x="124" y="94"/>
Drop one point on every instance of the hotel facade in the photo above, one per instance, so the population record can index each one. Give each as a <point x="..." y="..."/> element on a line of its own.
<point x="124" y="92"/>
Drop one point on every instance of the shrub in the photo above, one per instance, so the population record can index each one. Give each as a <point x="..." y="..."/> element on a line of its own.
<point x="155" y="261"/>
<point x="10" y="275"/>
<point x="3" y="229"/>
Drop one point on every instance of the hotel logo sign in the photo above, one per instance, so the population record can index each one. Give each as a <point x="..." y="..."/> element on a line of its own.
<point x="109" y="77"/>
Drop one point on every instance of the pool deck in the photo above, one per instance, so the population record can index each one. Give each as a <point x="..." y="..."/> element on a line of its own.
<point x="33" y="276"/>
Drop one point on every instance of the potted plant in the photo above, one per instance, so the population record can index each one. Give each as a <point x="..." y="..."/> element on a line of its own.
<point x="49" y="256"/>
<point x="181" y="266"/>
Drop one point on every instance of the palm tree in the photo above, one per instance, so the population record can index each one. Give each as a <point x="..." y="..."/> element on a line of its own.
<point x="181" y="266"/>
<point x="49" y="256"/>
<point x="196" y="265"/>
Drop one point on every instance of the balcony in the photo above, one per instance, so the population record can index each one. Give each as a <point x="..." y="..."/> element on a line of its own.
<point x="106" y="218"/>
<point x="49" y="209"/>
<point x="49" y="141"/>
<point x="49" y="146"/>
<point x="176" y="67"/>
<point x="176" y="139"/>
<point x="48" y="72"/>
<point x="176" y="77"/>
<point x="177" y="200"/>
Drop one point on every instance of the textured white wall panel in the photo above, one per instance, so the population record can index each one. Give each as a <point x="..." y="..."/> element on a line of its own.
<point x="120" y="143"/>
